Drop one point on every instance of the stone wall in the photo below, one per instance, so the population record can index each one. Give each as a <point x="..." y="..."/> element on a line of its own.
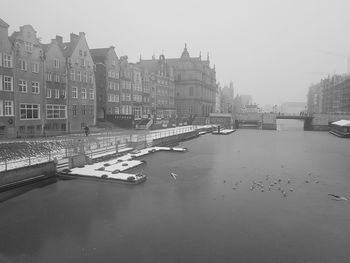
<point x="16" y="175"/>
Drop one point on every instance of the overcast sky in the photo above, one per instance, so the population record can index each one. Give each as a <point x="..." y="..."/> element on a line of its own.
<point x="270" y="49"/>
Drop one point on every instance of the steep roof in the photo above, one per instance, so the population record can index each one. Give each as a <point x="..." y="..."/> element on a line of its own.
<point x="3" y="23"/>
<point x="99" y="52"/>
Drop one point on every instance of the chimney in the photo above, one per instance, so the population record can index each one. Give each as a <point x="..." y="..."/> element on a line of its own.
<point x="73" y="37"/>
<point x="59" y="40"/>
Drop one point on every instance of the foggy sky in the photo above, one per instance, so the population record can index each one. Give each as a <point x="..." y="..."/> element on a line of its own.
<point x="270" y="49"/>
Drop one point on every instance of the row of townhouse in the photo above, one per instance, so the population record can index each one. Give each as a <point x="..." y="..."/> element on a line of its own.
<point x="44" y="88"/>
<point x="135" y="89"/>
<point x="60" y="87"/>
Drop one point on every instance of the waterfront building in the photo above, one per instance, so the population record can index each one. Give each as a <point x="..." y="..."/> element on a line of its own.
<point x="28" y="82"/>
<point x="7" y="96"/>
<point x="218" y="98"/>
<point x="107" y="81"/>
<point x="336" y="95"/>
<point x="136" y="90"/>
<point x="125" y="86"/>
<point x="147" y="85"/>
<point x="195" y="85"/>
<point x="314" y="98"/>
<point x="81" y="82"/>
<point x="162" y="86"/>
<point x="56" y="89"/>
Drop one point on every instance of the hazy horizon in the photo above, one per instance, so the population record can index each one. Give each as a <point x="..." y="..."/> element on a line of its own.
<point x="271" y="49"/>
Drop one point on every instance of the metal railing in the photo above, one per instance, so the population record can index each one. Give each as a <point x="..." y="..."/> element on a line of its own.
<point x="91" y="145"/>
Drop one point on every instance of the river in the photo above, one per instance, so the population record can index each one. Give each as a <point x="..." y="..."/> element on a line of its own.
<point x="209" y="214"/>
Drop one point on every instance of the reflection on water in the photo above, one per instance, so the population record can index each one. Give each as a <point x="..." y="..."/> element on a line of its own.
<point x="199" y="217"/>
<point x="290" y="125"/>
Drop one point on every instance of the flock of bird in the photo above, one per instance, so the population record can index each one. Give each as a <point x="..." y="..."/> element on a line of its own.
<point x="277" y="184"/>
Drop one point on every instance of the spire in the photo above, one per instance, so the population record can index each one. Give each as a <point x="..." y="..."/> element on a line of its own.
<point x="200" y="55"/>
<point x="208" y="56"/>
<point x="185" y="53"/>
<point x="140" y="58"/>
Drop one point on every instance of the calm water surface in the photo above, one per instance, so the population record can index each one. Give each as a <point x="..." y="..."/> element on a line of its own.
<point x="198" y="217"/>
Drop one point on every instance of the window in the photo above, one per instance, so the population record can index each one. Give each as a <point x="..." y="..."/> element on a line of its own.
<point x="82" y="62"/>
<point x="116" y="110"/>
<point x="56" y="63"/>
<point x="63" y="96"/>
<point x="78" y="75"/>
<point x="74" y="92"/>
<point x="85" y="77"/>
<point x="28" y="46"/>
<point x="74" y="110"/>
<point x="83" y="93"/>
<point x="57" y="94"/>
<point x="83" y="109"/>
<point x="110" y="98"/>
<point x="8" y="83"/>
<point x="92" y="94"/>
<point x="127" y="97"/>
<point x="116" y="98"/>
<point x="1" y="107"/>
<point x="36" y="67"/>
<point x="48" y="93"/>
<point x="7" y="61"/>
<point x="112" y="74"/>
<point x="35" y="87"/>
<point x="23" y="64"/>
<point x="72" y="74"/>
<point x="29" y="111"/>
<point x="48" y="76"/>
<point x="9" y="108"/>
<point x="22" y="85"/>
<point x="0" y="59"/>
<point x="56" y="111"/>
<point x="80" y="52"/>
<point x="57" y="78"/>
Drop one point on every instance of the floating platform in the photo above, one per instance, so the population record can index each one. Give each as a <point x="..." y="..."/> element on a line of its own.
<point x="224" y="132"/>
<point x="114" y="170"/>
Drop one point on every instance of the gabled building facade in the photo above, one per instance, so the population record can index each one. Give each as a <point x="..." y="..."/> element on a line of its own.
<point x="136" y="89"/>
<point x="29" y="86"/>
<point x="81" y="83"/>
<point x="195" y="84"/>
<point x="162" y="86"/>
<point x="125" y="86"/>
<point x="56" y="120"/>
<point x="7" y="97"/>
<point x="107" y="81"/>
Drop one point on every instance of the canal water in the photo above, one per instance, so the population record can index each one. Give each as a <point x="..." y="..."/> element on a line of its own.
<point x="209" y="214"/>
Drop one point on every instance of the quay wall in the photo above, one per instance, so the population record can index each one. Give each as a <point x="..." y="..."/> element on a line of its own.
<point x="320" y="122"/>
<point x="15" y="176"/>
<point x="175" y="138"/>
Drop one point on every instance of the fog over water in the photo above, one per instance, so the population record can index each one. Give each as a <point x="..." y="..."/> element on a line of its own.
<point x="209" y="214"/>
<point x="270" y="49"/>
